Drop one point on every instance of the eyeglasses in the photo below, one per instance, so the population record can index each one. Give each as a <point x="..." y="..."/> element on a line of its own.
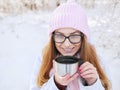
<point x="73" y="38"/>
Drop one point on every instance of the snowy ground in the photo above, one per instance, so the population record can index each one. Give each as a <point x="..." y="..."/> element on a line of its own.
<point x="23" y="36"/>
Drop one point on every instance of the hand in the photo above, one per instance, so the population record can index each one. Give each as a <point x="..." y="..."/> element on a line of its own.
<point x="88" y="72"/>
<point x="64" y="80"/>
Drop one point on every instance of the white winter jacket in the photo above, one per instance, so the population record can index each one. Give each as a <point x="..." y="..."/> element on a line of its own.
<point x="50" y="84"/>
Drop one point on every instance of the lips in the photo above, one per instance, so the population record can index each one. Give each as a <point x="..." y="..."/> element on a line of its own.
<point x="67" y="50"/>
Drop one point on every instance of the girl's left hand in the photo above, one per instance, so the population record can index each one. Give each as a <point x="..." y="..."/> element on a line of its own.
<point x="88" y="72"/>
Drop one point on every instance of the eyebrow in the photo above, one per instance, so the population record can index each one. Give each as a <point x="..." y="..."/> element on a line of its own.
<point x="77" y="32"/>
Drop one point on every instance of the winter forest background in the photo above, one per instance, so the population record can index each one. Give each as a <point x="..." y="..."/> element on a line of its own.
<point x="24" y="32"/>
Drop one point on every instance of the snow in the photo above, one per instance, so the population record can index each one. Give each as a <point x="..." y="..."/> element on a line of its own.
<point x="23" y="36"/>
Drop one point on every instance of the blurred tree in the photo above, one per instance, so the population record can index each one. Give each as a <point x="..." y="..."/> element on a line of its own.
<point x="11" y="6"/>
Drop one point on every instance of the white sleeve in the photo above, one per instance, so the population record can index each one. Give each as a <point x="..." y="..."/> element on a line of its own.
<point x="96" y="86"/>
<point x="49" y="85"/>
<point x="36" y="67"/>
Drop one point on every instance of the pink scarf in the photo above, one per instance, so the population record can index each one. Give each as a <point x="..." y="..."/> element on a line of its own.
<point x="74" y="85"/>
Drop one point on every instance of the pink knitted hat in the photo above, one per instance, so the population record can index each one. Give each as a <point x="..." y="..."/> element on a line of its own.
<point x="70" y="15"/>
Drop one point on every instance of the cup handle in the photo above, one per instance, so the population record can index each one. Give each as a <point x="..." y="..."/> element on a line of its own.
<point x="80" y="62"/>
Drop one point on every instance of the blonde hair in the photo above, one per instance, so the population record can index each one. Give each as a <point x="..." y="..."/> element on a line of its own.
<point x="87" y="53"/>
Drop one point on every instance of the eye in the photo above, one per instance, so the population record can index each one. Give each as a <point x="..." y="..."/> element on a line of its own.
<point x="59" y="35"/>
<point x="74" y="37"/>
<point x="76" y="33"/>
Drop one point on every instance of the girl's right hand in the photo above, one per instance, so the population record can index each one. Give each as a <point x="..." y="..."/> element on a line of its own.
<point x="64" y="80"/>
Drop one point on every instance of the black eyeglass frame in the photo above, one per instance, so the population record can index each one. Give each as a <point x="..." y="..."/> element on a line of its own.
<point x="67" y="37"/>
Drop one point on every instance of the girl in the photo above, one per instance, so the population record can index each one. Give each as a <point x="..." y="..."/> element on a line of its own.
<point x="69" y="36"/>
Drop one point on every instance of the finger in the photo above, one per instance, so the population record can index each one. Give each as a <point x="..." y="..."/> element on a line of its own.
<point x="83" y="65"/>
<point x="88" y="72"/>
<point x="73" y="77"/>
<point x="66" y="77"/>
<point x="87" y="67"/>
<point x="90" y="76"/>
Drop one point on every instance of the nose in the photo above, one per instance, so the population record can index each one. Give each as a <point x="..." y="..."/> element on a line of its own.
<point x="67" y="43"/>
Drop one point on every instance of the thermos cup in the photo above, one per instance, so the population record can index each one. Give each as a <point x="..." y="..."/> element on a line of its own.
<point x="67" y="64"/>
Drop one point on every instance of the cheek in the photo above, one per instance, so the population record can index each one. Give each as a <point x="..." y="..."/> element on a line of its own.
<point x="57" y="45"/>
<point x="77" y="47"/>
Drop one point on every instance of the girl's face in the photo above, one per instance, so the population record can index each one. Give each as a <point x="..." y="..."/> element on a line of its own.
<point x="67" y="41"/>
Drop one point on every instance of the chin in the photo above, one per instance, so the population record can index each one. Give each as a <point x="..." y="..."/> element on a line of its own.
<point x="68" y="54"/>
